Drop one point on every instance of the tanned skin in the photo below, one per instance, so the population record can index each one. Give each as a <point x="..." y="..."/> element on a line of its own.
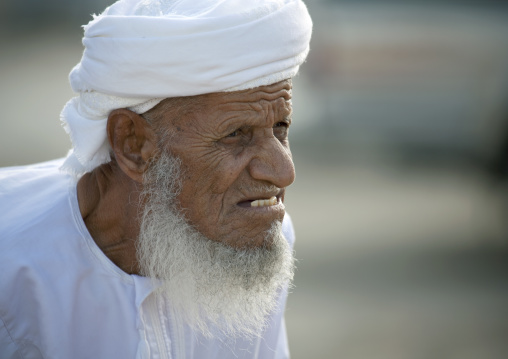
<point x="229" y="144"/>
<point x="109" y="195"/>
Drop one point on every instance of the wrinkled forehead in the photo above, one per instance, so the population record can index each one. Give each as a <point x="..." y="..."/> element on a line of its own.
<point x="274" y="97"/>
<point x="275" y="90"/>
<point x="278" y="95"/>
<point x="260" y="106"/>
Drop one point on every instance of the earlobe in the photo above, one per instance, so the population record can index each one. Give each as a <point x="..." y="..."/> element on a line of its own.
<point x="133" y="142"/>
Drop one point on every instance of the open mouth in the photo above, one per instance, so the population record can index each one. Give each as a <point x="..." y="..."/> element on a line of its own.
<point x="272" y="201"/>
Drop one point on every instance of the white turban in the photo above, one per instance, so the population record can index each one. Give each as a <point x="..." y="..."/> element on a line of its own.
<point x="139" y="52"/>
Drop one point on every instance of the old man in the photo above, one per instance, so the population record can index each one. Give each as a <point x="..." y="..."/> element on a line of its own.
<point x="163" y="234"/>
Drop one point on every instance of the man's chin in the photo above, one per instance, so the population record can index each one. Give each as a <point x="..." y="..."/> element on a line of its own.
<point x="263" y="239"/>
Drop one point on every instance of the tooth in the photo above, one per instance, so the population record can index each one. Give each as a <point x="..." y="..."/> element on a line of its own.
<point x="264" y="202"/>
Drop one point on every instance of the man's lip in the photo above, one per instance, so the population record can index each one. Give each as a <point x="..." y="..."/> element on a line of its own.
<point x="249" y="203"/>
<point x="270" y="212"/>
<point x="246" y="203"/>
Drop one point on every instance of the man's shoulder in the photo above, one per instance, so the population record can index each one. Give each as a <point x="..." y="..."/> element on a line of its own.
<point x="21" y="174"/>
<point x="51" y="274"/>
<point x="18" y="180"/>
<point x="27" y="193"/>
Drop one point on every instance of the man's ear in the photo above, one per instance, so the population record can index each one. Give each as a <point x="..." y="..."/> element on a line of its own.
<point x="133" y="141"/>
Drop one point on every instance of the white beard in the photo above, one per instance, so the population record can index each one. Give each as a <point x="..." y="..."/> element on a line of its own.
<point x="216" y="289"/>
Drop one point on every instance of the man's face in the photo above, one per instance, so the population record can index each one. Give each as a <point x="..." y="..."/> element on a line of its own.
<point x="234" y="150"/>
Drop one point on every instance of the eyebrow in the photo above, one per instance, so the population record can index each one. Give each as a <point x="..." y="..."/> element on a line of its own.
<point x="235" y="122"/>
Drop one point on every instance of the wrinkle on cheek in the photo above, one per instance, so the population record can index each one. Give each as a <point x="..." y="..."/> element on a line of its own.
<point x="214" y="173"/>
<point x="222" y="169"/>
<point x="213" y="209"/>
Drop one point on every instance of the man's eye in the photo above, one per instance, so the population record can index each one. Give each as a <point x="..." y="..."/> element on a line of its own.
<point x="281" y="124"/>
<point x="280" y="130"/>
<point x="234" y="133"/>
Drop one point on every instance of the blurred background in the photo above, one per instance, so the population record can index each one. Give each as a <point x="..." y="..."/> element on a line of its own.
<point x="400" y="139"/>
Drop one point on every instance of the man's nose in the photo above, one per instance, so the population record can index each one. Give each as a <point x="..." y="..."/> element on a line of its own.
<point x="272" y="162"/>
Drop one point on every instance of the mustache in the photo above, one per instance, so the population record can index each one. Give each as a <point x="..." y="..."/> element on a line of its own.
<point x="258" y="188"/>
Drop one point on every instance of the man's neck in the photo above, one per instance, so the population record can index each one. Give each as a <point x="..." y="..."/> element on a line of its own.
<point x="108" y="202"/>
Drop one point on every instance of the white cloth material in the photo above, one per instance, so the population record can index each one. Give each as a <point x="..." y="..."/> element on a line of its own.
<point x="138" y="50"/>
<point x="63" y="298"/>
<point x="85" y="120"/>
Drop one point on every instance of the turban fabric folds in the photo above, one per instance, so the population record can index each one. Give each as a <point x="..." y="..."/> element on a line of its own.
<point x="139" y="52"/>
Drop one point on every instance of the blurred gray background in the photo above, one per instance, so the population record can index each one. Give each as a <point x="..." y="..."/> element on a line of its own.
<point x="400" y="139"/>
